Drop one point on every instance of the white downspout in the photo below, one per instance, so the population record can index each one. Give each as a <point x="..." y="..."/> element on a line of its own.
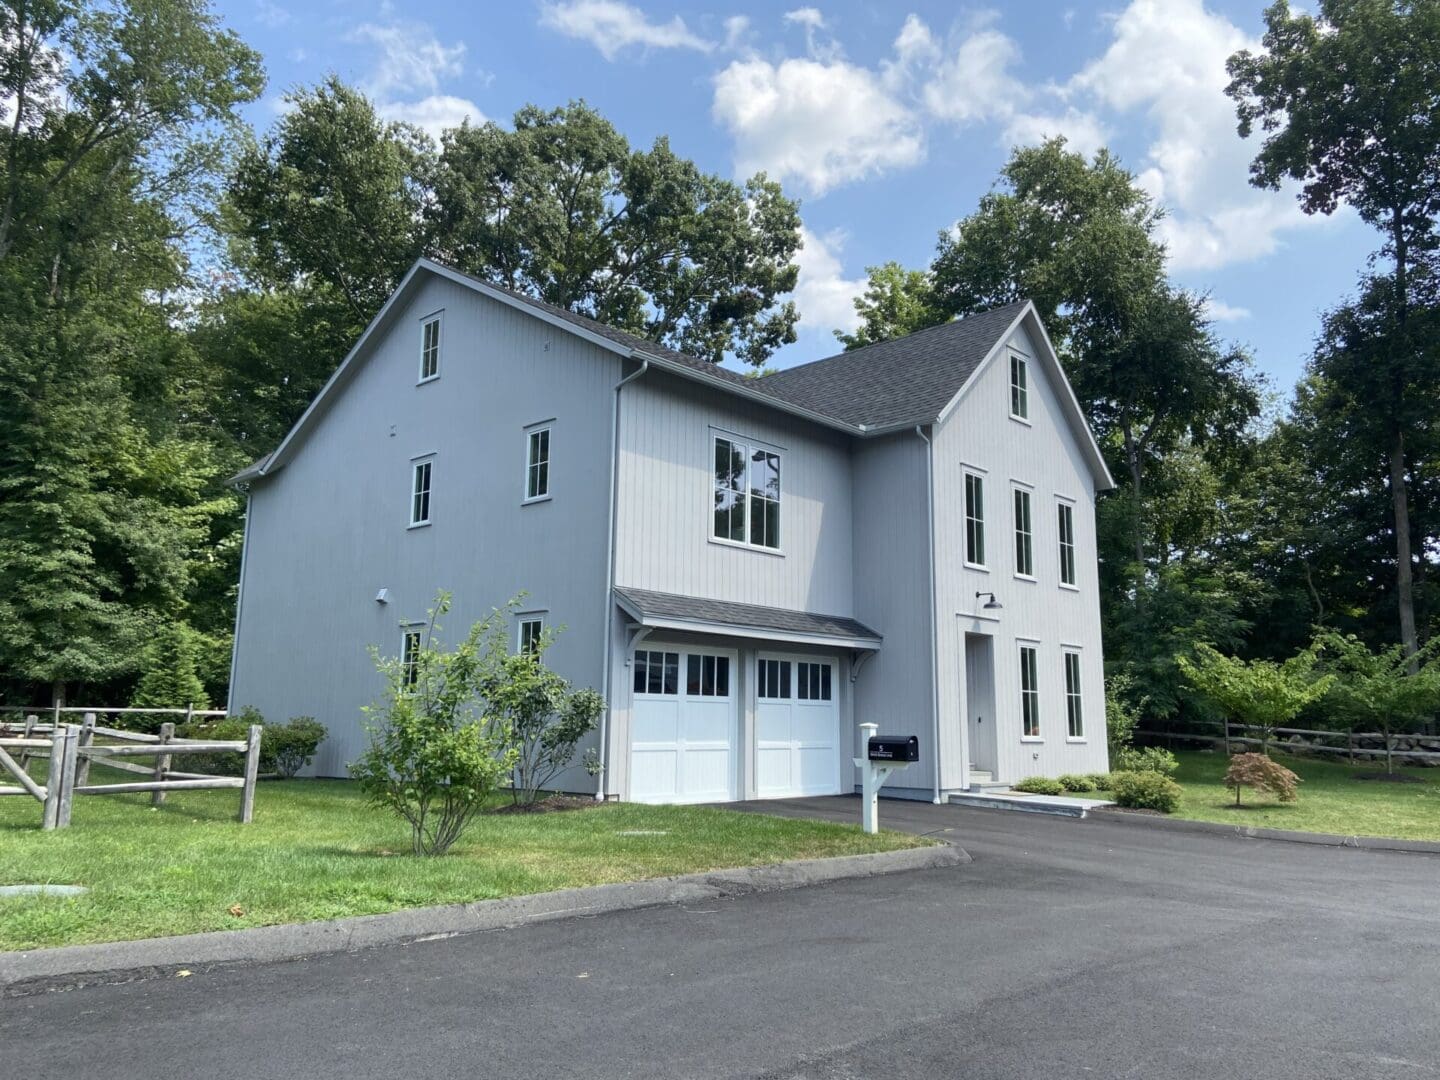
<point x="610" y="582"/>
<point x="934" y="643"/>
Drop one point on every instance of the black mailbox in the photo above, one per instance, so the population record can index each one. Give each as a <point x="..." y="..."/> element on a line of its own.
<point x="894" y="748"/>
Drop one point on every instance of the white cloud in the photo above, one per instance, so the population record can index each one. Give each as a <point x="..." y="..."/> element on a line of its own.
<point x="825" y="297"/>
<point x="1083" y="131"/>
<point x="410" y="58"/>
<point x="271" y="14"/>
<point x="612" y="27"/>
<point x="737" y="29"/>
<point x="1167" y="60"/>
<point x="808" y="17"/>
<point x="1220" y="311"/>
<point x="973" y="83"/>
<point x="821" y="122"/>
<point x="434" y="114"/>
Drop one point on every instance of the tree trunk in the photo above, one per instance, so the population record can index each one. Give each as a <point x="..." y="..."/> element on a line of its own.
<point x="1404" y="570"/>
<point x="1132" y="460"/>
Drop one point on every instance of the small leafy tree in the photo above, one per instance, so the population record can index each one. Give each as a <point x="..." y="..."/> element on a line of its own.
<point x="1260" y="693"/>
<point x="435" y="754"/>
<point x="1385" y="691"/>
<point x="546" y="719"/>
<point x="1122" y="714"/>
<point x="1259" y="772"/>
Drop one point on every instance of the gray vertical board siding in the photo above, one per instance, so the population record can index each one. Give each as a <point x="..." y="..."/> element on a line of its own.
<point x="665" y="502"/>
<point x="892" y="594"/>
<point x="330" y="529"/>
<point x="1046" y="454"/>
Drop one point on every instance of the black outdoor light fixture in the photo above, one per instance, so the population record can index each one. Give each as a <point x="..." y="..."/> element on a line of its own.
<point x="992" y="604"/>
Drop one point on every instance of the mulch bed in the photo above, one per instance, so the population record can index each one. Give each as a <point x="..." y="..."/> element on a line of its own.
<point x="550" y="805"/>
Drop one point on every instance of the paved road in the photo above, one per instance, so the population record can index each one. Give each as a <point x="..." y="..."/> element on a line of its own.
<point x="1066" y="949"/>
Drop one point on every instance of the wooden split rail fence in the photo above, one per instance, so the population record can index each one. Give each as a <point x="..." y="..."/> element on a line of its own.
<point x="72" y="748"/>
<point x="1349" y="743"/>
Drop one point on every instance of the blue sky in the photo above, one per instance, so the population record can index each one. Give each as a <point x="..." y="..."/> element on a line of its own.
<point x="889" y="122"/>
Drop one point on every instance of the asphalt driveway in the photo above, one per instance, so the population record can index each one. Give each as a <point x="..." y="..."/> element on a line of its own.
<point x="1066" y="949"/>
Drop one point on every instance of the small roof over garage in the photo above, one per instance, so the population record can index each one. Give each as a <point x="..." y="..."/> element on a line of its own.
<point x="671" y="611"/>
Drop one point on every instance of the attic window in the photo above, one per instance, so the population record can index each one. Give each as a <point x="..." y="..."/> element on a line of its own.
<point x="430" y="348"/>
<point x="1019" y="387"/>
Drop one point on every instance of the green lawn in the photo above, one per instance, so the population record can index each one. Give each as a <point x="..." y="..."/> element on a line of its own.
<point x="316" y="851"/>
<point x="1331" y="799"/>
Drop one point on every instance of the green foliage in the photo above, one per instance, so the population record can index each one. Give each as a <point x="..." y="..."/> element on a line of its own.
<point x="1145" y="791"/>
<point x="1154" y="759"/>
<point x="1261" y="693"/>
<point x="293" y="746"/>
<point x="1383" y="690"/>
<point x="1259" y="772"/>
<point x="1102" y="781"/>
<point x="1076" y="784"/>
<point x="1039" y="785"/>
<point x="285" y="749"/>
<point x="435" y="755"/>
<point x="896" y="302"/>
<point x="1122" y="713"/>
<point x="546" y="719"/>
<point x="170" y="680"/>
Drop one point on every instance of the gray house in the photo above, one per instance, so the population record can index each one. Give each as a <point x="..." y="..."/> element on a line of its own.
<point x="746" y="568"/>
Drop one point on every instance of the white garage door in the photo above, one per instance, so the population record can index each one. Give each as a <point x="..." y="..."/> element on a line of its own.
<point x="797" y="728"/>
<point x="683" y="723"/>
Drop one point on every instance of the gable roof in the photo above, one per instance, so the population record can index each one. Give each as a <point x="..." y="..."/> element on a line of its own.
<point x="889" y="386"/>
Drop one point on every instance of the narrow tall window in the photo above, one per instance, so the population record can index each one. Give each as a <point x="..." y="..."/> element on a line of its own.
<point x="537" y="464"/>
<point x="1024" y="537"/>
<point x="1029" y="693"/>
<point x="430" y="348"/>
<point x="420" y="493"/>
<point x="1067" y="544"/>
<point x="1074" y="710"/>
<point x="410" y="643"/>
<point x="532" y="627"/>
<point x="974" y="519"/>
<point x="1019" y="386"/>
<point x="747" y="489"/>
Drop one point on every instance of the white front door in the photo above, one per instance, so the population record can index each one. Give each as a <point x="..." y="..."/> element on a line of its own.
<point x="683" y="722"/>
<point x="797" y="727"/>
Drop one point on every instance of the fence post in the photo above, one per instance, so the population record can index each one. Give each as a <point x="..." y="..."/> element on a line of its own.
<point x="252" y="770"/>
<point x="30" y="722"/>
<point x="87" y="736"/>
<point x="67" y="777"/>
<point x="1227" y="737"/>
<point x="51" y="814"/>
<point x="162" y="763"/>
<point x="1350" y="743"/>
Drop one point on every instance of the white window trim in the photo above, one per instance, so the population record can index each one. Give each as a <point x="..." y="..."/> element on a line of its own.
<point x="1073" y="650"/>
<point x="1014" y="354"/>
<point x="416" y="627"/>
<point x="1071" y="586"/>
<point x="523" y="617"/>
<point x="1021" y="644"/>
<point x="1029" y="490"/>
<point x="967" y="471"/>
<point x="415" y="463"/>
<point x="426" y="320"/>
<point x="527" y="499"/>
<point x="750" y="445"/>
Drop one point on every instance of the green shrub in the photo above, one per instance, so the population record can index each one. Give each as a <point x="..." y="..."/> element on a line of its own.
<point x="1101" y="780"/>
<point x="169" y="679"/>
<point x="1146" y="791"/>
<point x="1038" y="785"/>
<point x="1072" y="782"/>
<point x="285" y="749"/>
<point x="1147" y="759"/>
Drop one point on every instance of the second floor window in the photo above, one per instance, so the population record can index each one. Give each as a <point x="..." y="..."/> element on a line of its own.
<point x="1019" y="387"/>
<point x="1024" y="537"/>
<point x="531" y="629"/>
<point x="410" y="644"/>
<point x="420" y="492"/>
<point x="430" y="348"/>
<point x="974" y="519"/>
<point x="537" y="464"/>
<point x="747" y="494"/>
<point x="1067" y="544"/>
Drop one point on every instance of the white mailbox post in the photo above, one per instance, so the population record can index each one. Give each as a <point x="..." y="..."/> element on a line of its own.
<point x="873" y="776"/>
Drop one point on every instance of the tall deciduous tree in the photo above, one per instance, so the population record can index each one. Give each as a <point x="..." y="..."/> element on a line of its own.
<point x="896" y="302"/>
<point x="1348" y="101"/>
<point x="562" y="207"/>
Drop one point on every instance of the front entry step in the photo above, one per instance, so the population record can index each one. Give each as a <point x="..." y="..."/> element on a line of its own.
<point x="999" y="799"/>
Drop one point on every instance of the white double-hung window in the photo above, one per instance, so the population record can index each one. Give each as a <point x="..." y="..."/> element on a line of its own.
<point x="1029" y="692"/>
<point x="974" y="519"/>
<point x="1067" y="542"/>
<point x="1019" y="387"/>
<point x="422" y="474"/>
<point x="1074" y="702"/>
<point x="1024" y="535"/>
<point x="430" y="347"/>
<point x="746" y="494"/>
<point x="537" y="463"/>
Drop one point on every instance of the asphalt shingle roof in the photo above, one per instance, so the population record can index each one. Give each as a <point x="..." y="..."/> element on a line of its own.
<point x="748" y="616"/>
<point x="906" y="380"/>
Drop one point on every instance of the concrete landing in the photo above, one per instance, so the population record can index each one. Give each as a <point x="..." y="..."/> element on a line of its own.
<point x="1062" y="805"/>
